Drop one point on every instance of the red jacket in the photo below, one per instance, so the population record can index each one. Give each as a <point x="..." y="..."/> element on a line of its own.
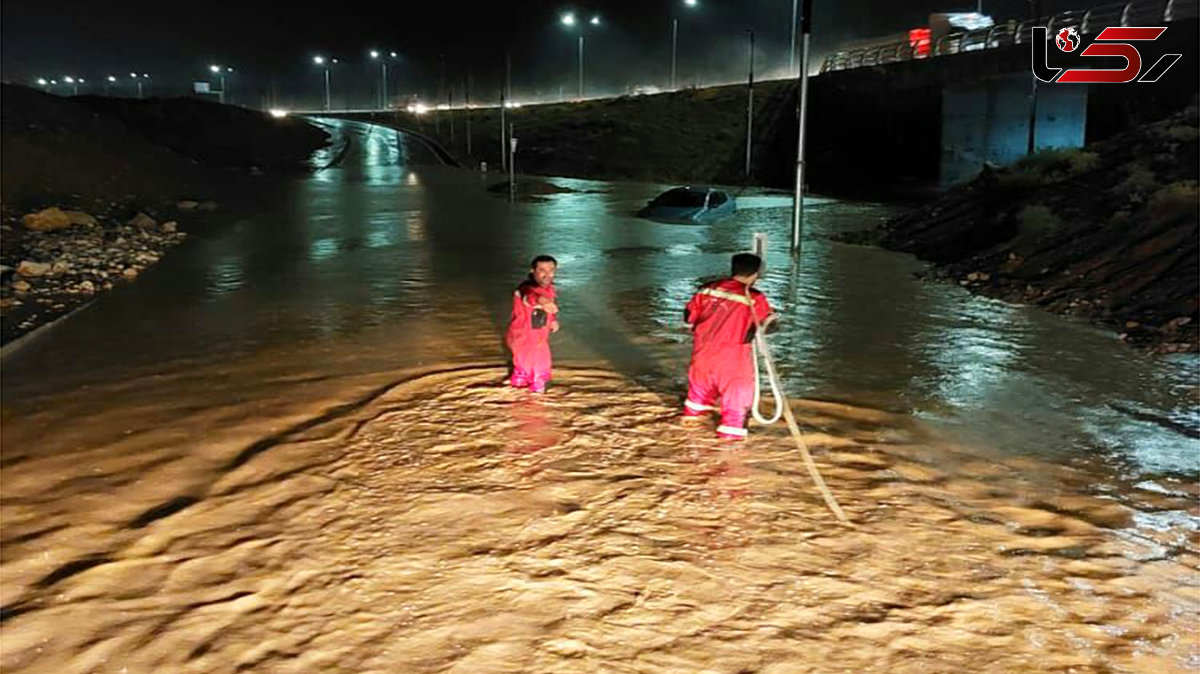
<point x="521" y="326"/>
<point x="720" y="316"/>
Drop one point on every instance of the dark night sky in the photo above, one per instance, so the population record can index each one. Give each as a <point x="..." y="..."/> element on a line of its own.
<point x="274" y="42"/>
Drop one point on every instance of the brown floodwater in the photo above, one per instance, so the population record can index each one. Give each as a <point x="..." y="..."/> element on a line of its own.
<point x="289" y="449"/>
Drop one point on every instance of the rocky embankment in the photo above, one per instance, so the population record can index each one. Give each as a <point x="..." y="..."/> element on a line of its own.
<point x="1110" y="232"/>
<point x="55" y="260"/>
<point x="93" y="191"/>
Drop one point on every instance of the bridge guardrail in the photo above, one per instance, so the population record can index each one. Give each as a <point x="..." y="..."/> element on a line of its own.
<point x="1011" y="32"/>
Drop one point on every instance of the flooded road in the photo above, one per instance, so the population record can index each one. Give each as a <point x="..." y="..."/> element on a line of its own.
<point x="287" y="451"/>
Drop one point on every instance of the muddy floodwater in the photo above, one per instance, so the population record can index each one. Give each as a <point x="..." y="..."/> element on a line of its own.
<point x="288" y="448"/>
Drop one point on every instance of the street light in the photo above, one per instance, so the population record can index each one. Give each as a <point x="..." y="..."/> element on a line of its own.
<point x="221" y="71"/>
<point x="384" y="80"/>
<point x="568" y="20"/>
<point x="134" y="77"/>
<point x="42" y="83"/>
<point x="74" y="84"/>
<point x="325" y="63"/>
<point x="691" y="4"/>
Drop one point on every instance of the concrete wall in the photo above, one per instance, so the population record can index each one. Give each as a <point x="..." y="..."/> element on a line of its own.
<point x="988" y="122"/>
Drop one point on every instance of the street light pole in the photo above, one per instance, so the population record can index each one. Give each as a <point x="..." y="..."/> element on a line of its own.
<point x="674" y="44"/>
<point x="467" y="105"/>
<point x="220" y="73"/>
<point x="321" y="61"/>
<point x="802" y="120"/>
<point x="569" y="20"/>
<point x="675" y="40"/>
<point x="512" y="165"/>
<point x="383" y="81"/>
<point x="750" y="107"/>
<point x="792" y="48"/>
<point x="505" y="94"/>
<point x="581" y="65"/>
<point x="503" y="132"/>
<point x="1031" y="137"/>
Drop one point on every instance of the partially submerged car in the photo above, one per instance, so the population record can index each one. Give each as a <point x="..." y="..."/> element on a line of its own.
<point x="691" y="205"/>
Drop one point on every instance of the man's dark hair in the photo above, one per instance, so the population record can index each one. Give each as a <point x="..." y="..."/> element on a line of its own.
<point x="745" y="264"/>
<point x="542" y="258"/>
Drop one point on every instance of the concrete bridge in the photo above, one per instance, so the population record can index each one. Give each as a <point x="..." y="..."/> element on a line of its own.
<point x="936" y="113"/>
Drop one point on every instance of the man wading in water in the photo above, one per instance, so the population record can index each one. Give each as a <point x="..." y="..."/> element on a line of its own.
<point x="534" y="317"/>
<point x="722" y="361"/>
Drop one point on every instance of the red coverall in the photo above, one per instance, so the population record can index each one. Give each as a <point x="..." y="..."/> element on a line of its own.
<point x="530" y="345"/>
<point x="722" y="363"/>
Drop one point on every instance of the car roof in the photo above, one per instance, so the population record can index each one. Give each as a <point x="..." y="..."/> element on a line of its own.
<point x="690" y="188"/>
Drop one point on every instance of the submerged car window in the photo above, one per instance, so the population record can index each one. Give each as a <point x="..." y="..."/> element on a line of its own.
<point x="680" y="197"/>
<point x="717" y="199"/>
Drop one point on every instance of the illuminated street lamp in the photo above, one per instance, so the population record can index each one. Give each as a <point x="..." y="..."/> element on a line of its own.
<point x="43" y="83"/>
<point x="383" y="59"/>
<point x="691" y="4"/>
<point x="220" y="71"/>
<point x="569" y="21"/>
<point x="325" y="63"/>
<point x="74" y="84"/>
<point x="138" y="82"/>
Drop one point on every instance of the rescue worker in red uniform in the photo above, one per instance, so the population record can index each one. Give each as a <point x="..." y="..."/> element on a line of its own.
<point x="720" y="316"/>
<point x="534" y="317"/>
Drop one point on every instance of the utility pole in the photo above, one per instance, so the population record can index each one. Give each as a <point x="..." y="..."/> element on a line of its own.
<point x="802" y="121"/>
<point x="750" y="107"/>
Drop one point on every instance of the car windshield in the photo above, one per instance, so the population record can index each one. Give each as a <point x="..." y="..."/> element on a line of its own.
<point x="680" y="197"/>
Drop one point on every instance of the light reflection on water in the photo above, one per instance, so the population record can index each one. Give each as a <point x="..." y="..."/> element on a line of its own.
<point x="445" y="510"/>
<point x="382" y="236"/>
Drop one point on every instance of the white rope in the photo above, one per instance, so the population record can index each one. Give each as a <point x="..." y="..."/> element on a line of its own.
<point x="758" y="348"/>
<point x="782" y="406"/>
